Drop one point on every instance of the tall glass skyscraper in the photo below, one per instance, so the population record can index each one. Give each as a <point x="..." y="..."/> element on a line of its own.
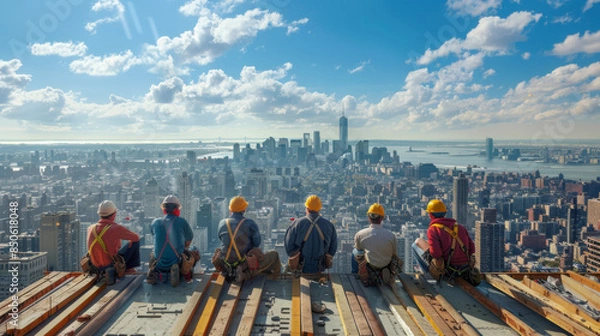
<point x="344" y="131"/>
<point x="489" y="148"/>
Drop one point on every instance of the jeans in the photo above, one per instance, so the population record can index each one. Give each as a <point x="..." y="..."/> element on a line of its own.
<point x="354" y="263"/>
<point x="131" y="254"/>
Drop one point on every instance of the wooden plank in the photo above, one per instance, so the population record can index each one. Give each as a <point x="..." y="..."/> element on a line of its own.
<point x="509" y="318"/>
<point x="109" y="310"/>
<point x="45" y="308"/>
<point x="183" y="321"/>
<point x="222" y="321"/>
<point x="409" y="325"/>
<point x="357" y="313"/>
<point x="203" y="325"/>
<point x="438" y="322"/>
<point x="578" y="287"/>
<point x="585" y="280"/>
<point x="343" y="306"/>
<point x="91" y="312"/>
<point x="561" y="304"/>
<point x="538" y="307"/>
<point x="65" y="316"/>
<point x="252" y="305"/>
<point x="33" y="292"/>
<point x="412" y="309"/>
<point x="296" y="307"/>
<point x="536" y="275"/>
<point x="372" y="319"/>
<point x="305" y="308"/>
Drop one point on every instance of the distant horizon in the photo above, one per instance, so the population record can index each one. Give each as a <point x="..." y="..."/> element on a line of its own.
<point x="258" y="140"/>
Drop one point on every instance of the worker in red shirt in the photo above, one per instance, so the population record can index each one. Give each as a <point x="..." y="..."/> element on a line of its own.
<point x="104" y="242"/>
<point x="451" y="249"/>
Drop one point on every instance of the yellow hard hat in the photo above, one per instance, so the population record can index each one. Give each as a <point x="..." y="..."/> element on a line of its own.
<point x="238" y="204"/>
<point x="376" y="209"/>
<point x="313" y="203"/>
<point x="436" y="206"/>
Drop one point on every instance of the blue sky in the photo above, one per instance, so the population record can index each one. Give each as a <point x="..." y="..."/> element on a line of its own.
<point x="199" y="69"/>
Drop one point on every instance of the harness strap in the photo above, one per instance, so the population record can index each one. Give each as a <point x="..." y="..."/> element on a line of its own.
<point x="455" y="238"/>
<point x="167" y="241"/>
<point x="98" y="239"/>
<point x="232" y="242"/>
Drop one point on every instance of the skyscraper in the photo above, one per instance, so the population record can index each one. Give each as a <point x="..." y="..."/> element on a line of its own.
<point x="344" y="132"/>
<point x="489" y="242"/>
<point x="593" y="217"/>
<point x="188" y="211"/>
<point x="151" y="201"/>
<point x="317" y="142"/>
<point x="60" y="238"/>
<point x="489" y="148"/>
<point x="460" y="191"/>
<point x="572" y="222"/>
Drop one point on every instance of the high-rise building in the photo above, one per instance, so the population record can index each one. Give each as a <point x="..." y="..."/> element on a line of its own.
<point x="31" y="268"/>
<point x="305" y="140"/>
<point x="152" y="200"/>
<point x="317" y="142"/>
<point x="593" y="215"/>
<point x="572" y="222"/>
<point x="236" y="152"/>
<point x="460" y="192"/>
<point x="188" y="211"/>
<point x="204" y="220"/>
<point x="593" y="254"/>
<point x="60" y="239"/>
<point x="489" y="148"/>
<point x="344" y="132"/>
<point x="489" y="242"/>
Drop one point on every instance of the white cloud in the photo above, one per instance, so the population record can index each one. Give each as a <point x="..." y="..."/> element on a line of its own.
<point x="473" y="7"/>
<point x="360" y="67"/>
<point x="40" y="106"/>
<point x="114" y="6"/>
<point x="10" y="80"/>
<point x="203" y="7"/>
<point x="526" y="55"/>
<point x="563" y="19"/>
<point x="573" y="44"/>
<point x="62" y="49"/>
<point x="212" y="36"/>
<point x="488" y="73"/>
<point x="491" y="35"/>
<point x="110" y="65"/>
<point x="164" y="92"/>
<point x="589" y="4"/>
<point x="555" y="3"/>
<point x="293" y="27"/>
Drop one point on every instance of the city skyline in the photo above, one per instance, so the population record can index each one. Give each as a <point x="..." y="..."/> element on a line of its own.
<point x="201" y="69"/>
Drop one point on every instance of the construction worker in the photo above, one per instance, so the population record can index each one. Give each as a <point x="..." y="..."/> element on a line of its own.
<point x="240" y="257"/>
<point x="451" y="248"/>
<point x="173" y="237"/>
<point x="104" y="244"/>
<point x="311" y="241"/>
<point x="375" y="256"/>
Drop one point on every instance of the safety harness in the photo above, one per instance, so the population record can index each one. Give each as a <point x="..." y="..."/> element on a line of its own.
<point x="167" y="241"/>
<point x="234" y="245"/>
<point x="98" y="239"/>
<point x="455" y="238"/>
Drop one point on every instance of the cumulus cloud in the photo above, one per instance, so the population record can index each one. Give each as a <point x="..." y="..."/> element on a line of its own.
<point x="203" y="7"/>
<point x="212" y="36"/>
<point x="473" y="7"/>
<point x="293" y="27"/>
<point x="589" y="4"/>
<point x="555" y="3"/>
<point x="526" y="55"/>
<point x="492" y="35"/>
<point x="114" y="6"/>
<point x="588" y="43"/>
<point x="488" y="73"/>
<point x="165" y="91"/>
<point x="42" y="106"/>
<point x="10" y="80"/>
<point x="360" y="67"/>
<point x="110" y="65"/>
<point x="62" y="49"/>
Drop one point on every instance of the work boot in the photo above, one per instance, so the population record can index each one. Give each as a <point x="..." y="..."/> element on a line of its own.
<point x="174" y="275"/>
<point x="151" y="277"/>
